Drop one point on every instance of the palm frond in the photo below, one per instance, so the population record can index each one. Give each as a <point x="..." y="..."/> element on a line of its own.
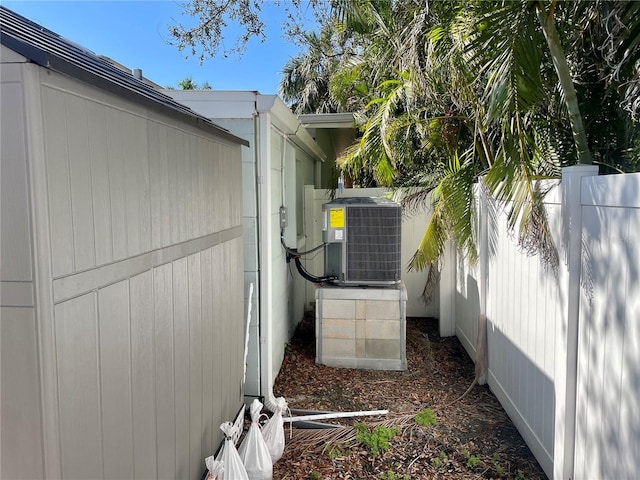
<point x="453" y="216"/>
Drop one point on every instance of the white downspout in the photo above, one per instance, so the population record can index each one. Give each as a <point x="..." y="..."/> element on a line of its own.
<point x="265" y="247"/>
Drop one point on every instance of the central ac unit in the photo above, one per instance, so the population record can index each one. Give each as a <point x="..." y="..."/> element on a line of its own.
<point x="363" y="240"/>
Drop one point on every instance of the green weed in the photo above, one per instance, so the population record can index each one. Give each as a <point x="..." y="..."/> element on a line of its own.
<point x="495" y="459"/>
<point x="440" y="460"/>
<point x="472" y="460"/>
<point x="375" y="441"/>
<point x="334" y="452"/>
<point x="391" y="475"/>
<point x="425" y="418"/>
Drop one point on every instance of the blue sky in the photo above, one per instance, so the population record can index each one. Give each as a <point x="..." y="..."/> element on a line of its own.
<point x="135" y="34"/>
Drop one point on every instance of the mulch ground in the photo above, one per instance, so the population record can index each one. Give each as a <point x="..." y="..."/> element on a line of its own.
<point x="472" y="439"/>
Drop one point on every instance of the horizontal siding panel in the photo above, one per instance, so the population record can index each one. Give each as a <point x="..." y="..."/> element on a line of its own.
<point x="83" y="282"/>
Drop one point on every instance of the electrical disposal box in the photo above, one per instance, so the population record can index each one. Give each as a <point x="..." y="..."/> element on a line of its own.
<point x="363" y="240"/>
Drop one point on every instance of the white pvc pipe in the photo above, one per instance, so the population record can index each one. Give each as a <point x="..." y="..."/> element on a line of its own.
<point x="323" y="416"/>
<point x="246" y="332"/>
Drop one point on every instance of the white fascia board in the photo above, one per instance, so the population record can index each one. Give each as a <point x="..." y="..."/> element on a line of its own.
<point x="327" y="120"/>
<point x="284" y="120"/>
<point x="215" y="104"/>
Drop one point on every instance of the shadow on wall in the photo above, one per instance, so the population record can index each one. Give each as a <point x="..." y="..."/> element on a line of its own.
<point x="525" y="392"/>
<point x="608" y="377"/>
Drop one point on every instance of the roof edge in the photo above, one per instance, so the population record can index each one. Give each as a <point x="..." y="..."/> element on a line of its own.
<point x="328" y="120"/>
<point x="124" y="87"/>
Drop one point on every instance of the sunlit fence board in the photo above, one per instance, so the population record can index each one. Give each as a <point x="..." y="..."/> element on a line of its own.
<point x="536" y="357"/>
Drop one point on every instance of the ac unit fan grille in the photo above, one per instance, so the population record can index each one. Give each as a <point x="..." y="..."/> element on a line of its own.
<point x="373" y="244"/>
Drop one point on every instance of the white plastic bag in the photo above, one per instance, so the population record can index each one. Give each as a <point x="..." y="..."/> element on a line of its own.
<point x="273" y="431"/>
<point x="233" y="469"/>
<point x="254" y="451"/>
<point x="214" y="467"/>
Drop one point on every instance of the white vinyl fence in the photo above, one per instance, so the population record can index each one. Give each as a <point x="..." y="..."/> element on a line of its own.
<point x="563" y="346"/>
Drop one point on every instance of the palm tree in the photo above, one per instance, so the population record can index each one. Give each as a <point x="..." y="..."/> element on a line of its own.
<point x="470" y="92"/>
<point x="305" y="77"/>
<point x="479" y="88"/>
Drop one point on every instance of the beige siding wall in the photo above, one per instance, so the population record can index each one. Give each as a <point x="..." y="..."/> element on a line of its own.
<point x="21" y="420"/>
<point x="147" y="368"/>
<point x="245" y="129"/>
<point x="124" y="181"/>
<point x="141" y="346"/>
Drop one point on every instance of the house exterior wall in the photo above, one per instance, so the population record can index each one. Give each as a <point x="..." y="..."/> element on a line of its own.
<point x="136" y="236"/>
<point x="328" y="169"/>
<point x="288" y="165"/>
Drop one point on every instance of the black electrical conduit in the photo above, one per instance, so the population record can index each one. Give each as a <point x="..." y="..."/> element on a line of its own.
<point x="293" y="254"/>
